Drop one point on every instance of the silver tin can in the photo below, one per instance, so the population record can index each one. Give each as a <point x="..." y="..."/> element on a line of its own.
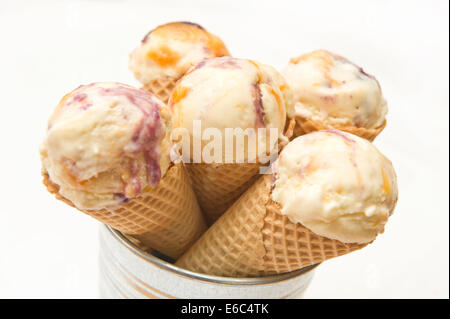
<point x="129" y="272"/>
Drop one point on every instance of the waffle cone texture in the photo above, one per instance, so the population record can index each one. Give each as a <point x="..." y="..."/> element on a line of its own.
<point x="218" y="186"/>
<point x="161" y="87"/>
<point x="166" y="218"/>
<point x="305" y="126"/>
<point x="254" y="239"/>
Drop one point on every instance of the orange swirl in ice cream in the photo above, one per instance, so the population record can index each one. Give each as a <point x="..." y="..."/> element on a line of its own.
<point x="105" y="143"/>
<point x="171" y="49"/>
<point x="332" y="90"/>
<point x="336" y="184"/>
<point x="231" y="93"/>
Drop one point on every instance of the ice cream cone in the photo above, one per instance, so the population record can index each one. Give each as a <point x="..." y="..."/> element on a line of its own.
<point x="161" y="87"/>
<point x="217" y="186"/>
<point x="253" y="239"/>
<point x="305" y="126"/>
<point x="166" y="218"/>
<point x="226" y="95"/>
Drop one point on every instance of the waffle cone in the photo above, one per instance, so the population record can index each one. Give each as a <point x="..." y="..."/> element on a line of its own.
<point x="166" y="218"/>
<point x="161" y="87"/>
<point x="254" y="239"/>
<point x="218" y="186"/>
<point x="305" y="126"/>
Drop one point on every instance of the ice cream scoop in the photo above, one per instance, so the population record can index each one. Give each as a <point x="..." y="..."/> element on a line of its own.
<point x="230" y="93"/>
<point x="106" y="143"/>
<point x="171" y="49"/>
<point x="336" y="184"/>
<point x="330" y="91"/>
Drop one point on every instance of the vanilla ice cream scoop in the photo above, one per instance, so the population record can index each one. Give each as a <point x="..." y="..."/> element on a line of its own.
<point x="329" y="89"/>
<point x="106" y="143"/>
<point x="171" y="49"/>
<point x="336" y="184"/>
<point x="230" y="93"/>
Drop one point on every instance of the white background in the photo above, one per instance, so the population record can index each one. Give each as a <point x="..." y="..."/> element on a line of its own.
<point x="48" y="48"/>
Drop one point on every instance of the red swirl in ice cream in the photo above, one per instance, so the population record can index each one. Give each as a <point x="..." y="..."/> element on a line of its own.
<point x="230" y="93"/>
<point x="105" y="143"/>
<point x="171" y="49"/>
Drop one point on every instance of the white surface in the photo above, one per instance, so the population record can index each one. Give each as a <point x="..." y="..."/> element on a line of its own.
<point x="50" y="47"/>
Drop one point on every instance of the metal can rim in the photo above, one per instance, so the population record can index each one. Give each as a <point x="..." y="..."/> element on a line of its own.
<point x="117" y="235"/>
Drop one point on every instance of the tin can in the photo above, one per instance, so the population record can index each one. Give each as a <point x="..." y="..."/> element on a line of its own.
<point x="129" y="272"/>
